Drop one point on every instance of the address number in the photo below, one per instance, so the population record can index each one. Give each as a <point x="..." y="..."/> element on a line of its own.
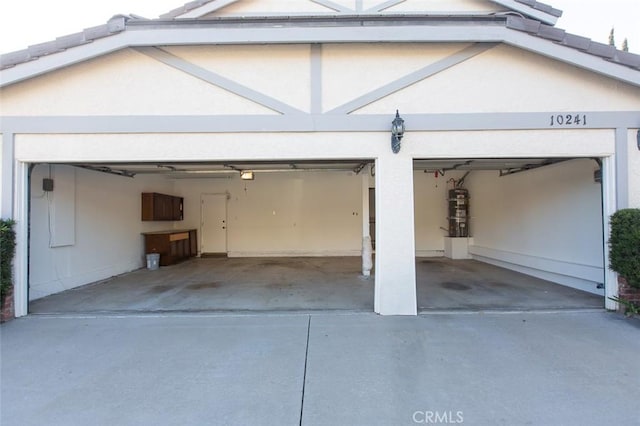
<point x="560" y="120"/>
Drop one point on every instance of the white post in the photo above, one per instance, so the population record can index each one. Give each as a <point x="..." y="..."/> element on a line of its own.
<point x="608" y="208"/>
<point x="6" y="175"/>
<point x="395" y="273"/>
<point x="21" y="216"/>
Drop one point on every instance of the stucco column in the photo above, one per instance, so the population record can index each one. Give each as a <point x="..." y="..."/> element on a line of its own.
<point x="6" y="175"/>
<point x="395" y="274"/>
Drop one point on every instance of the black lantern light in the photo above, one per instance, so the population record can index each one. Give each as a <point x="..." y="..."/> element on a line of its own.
<point x="397" y="132"/>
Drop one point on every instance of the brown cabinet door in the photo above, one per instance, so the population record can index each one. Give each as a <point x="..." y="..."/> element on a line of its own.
<point x="158" y="207"/>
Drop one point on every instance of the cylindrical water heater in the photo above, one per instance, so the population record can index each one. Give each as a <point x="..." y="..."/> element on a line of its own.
<point x="458" y="212"/>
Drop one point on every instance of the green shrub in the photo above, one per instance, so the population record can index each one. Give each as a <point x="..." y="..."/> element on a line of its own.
<point x="624" y="245"/>
<point x="7" y="251"/>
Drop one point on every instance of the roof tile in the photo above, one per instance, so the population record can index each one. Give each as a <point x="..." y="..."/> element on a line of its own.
<point x="603" y="50"/>
<point x="71" y="40"/>
<point x="628" y="58"/>
<point x="14" y="58"/>
<point x="184" y="9"/>
<point x="542" y="7"/>
<point x="96" y="32"/>
<point x="551" y="33"/>
<point x="43" y="49"/>
<point x="117" y="23"/>
<point x="522" y="24"/>
<point x="577" y="42"/>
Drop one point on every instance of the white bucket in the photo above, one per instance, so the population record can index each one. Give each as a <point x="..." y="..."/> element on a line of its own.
<point x="153" y="261"/>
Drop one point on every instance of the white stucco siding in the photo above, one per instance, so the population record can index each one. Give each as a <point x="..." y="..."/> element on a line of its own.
<point x="265" y="7"/>
<point x="280" y="146"/>
<point x="353" y="70"/>
<point x="122" y="83"/>
<point x="200" y="147"/>
<point x="634" y="168"/>
<point x="547" y="221"/>
<point x="444" y="6"/>
<point x="268" y="7"/>
<point x="291" y="213"/>
<point x="107" y="229"/>
<point x="513" y="143"/>
<point x="280" y="71"/>
<point x="502" y="79"/>
<point x="512" y="80"/>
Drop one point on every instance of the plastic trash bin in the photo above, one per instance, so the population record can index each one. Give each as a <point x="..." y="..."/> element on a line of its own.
<point x="153" y="261"/>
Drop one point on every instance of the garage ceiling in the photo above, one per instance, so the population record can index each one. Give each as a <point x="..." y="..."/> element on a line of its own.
<point x="186" y="170"/>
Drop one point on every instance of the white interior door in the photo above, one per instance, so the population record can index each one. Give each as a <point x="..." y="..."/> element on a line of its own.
<point x="213" y="224"/>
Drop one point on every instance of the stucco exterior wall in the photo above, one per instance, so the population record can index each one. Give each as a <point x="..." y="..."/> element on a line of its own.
<point x="503" y="79"/>
<point x="435" y="6"/>
<point x="263" y="7"/>
<point x="510" y="79"/>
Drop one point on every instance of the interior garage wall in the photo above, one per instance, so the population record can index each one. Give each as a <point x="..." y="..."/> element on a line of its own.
<point x="545" y="222"/>
<point x="106" y="227"/>
<point x="284" y="214"/>
<point x="430" y="199"/>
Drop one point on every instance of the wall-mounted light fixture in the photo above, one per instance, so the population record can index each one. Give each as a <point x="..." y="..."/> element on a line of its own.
<point x="246" y="175"/>
<point x="397" y="132"/>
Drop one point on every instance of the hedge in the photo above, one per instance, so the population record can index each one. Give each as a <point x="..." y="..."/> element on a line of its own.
<point x="7" y="251"/>
<point x="624" y="245"/>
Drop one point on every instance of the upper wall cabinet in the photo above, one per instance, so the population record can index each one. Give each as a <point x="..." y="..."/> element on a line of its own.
<point x="157" y="206"/>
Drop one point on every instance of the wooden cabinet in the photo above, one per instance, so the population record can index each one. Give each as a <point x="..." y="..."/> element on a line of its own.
<point x="173" y="246"/>
<point x="159" y="207"/>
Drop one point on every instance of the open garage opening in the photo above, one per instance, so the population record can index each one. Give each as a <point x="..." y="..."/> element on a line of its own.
<point x="501" y="234"/>
<point x="278" y="235"/>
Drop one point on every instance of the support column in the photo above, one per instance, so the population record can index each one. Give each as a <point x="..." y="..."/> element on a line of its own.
<point x="609" y="187"/>
<point x="395" y="268"/>
<point x="6" y="175"/>
<point x="622" y="168"/>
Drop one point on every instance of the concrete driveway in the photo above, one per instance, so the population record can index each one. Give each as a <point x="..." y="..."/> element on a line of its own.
<point x="570" y="368"/>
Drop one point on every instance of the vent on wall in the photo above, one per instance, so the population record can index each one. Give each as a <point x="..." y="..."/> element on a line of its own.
<point x="47" y="185"/>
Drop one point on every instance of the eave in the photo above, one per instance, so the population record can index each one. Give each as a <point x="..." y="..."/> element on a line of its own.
<point x="525" y="34"/>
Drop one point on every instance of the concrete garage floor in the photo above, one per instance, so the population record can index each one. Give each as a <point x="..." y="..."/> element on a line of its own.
<point x="445" y="284"/>
<point x="308" y="284"/>
<point x="225" y="284"/>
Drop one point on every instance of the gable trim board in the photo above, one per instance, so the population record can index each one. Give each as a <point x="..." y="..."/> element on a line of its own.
<point x="308" y="123"/>
<point x="552" y="43"/>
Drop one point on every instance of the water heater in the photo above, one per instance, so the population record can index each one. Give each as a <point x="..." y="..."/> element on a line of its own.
<point x="458" y="212"/>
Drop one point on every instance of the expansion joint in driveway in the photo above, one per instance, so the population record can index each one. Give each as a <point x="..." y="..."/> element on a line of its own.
<point x="304" y="375"/>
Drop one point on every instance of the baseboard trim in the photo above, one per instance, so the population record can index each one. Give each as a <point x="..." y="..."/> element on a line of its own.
<point x="578" y="276"/>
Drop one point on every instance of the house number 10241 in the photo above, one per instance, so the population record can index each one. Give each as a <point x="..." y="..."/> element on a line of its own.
<point x="568" y="120"/>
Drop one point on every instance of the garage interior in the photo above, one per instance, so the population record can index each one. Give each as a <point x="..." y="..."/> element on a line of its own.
<point x="293" y="231"/>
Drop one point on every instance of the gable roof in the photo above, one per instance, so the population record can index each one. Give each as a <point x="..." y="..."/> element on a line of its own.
<point x="124" y="31"/>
